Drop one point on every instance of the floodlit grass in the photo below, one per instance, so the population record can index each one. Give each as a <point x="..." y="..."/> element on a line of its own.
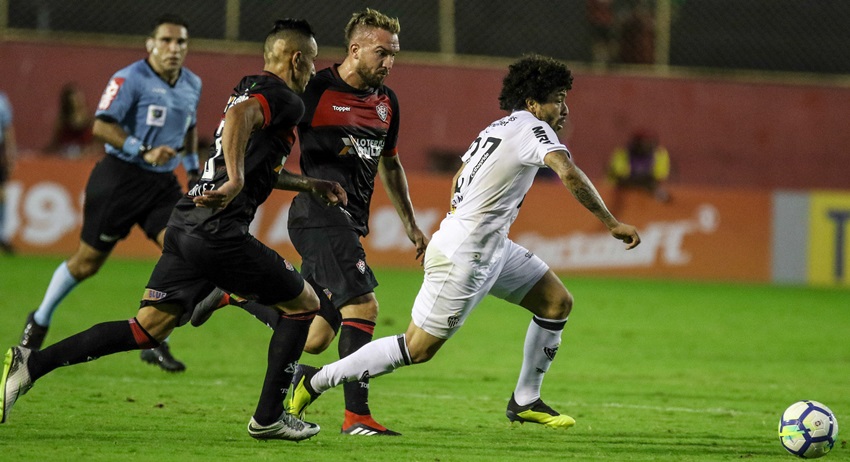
<point x="651" y="370"/>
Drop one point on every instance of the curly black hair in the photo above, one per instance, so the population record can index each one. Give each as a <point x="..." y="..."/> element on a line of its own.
<point x="533" y="76"/>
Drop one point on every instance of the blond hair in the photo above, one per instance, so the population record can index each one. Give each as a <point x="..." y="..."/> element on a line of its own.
<point x="370" y="18"/>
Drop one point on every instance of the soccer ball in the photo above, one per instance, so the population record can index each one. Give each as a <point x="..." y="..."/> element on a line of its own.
<point x="808" y="429"/>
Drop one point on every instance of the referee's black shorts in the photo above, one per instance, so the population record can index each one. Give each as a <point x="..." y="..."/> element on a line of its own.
<point x="191" y="266"/>
<point x="120" y="195"/>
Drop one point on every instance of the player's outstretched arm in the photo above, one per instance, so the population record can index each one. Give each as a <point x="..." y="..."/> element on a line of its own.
<point x="583" y="190"/>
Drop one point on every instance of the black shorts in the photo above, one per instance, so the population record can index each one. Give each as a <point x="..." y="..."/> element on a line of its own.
<point x="190" y="267"/>
<point x="120" y="195"/>
<point x="334" y="259"/>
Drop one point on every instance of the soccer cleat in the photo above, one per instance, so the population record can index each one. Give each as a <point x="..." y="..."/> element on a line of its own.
<point x="34" y="334"/>
<point x="288" y="428"/>
<point x="161" y="356"/>
<point x="16" y="379"/>
<point x="206" y="307"/>
<point x="302" y="393"/>
<point x="364" y="425"/>
<point x="537" y="412"/>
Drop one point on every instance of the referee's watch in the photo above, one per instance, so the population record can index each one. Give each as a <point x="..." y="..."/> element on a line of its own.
<point x="143" y="149"/>
<point x="133" y="145"/>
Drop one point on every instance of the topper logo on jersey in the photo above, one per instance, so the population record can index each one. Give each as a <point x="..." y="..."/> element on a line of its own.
<point x="383" y="111"/>
<point x="365" y="148"/>
<point x="541" y="135"/>
<point x="341" y="108"/>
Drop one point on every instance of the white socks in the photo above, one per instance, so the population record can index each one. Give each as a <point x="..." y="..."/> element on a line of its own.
<point x="60" y="285"/>
<point x="541" y="344"/>
<point x="387" y="354"/>
<point x="375" y="358"/>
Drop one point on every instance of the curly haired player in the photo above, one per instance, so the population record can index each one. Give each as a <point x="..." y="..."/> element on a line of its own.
<point x="471" y="255"/>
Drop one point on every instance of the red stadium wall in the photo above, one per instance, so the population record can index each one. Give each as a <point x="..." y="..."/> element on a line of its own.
<point x="719" y="132"/>
<point x="705" y="233"/>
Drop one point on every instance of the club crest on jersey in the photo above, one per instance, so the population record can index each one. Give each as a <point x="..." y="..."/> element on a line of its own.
<point x="328" y="293"/>
<point x="454" y="320"/>
<point x="288" y="266"/>
<point x="361" y="266"/>
<point x="383" y="111"/>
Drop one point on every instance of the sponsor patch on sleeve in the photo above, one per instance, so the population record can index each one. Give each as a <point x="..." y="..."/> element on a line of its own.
<point x="109" y="93"/>
<point x="153" y="295"/>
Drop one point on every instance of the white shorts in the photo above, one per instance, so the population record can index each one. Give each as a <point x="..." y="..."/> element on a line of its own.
<point x="451" y="291"/>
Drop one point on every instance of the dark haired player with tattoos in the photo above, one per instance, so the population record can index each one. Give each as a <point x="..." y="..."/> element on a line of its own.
<point x="207" y="243"/>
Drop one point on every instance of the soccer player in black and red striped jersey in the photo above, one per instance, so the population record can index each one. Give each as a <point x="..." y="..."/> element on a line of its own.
<point x="349" y="134"/>
<point x="207" y="242"/>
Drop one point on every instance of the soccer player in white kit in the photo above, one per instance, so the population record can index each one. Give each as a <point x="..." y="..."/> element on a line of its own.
<point x="471" y="255"/>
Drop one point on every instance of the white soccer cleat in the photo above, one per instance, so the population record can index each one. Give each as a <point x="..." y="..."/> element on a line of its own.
<point x="16" y="379"/>
<point x="288" y="428"/>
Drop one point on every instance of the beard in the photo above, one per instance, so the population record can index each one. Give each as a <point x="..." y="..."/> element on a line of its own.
<point x="371" y="78"/>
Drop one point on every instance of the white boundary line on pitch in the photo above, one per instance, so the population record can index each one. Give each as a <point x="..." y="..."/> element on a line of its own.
<point x="558" y="403"/>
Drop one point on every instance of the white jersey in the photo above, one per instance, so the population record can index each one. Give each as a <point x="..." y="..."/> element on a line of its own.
<point x="499" y="168"/>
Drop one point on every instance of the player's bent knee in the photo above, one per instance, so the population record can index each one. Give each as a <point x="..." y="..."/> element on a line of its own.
<point x="361" y="308"/>
<point x="565" y="305"/>
<point x="158" y="320"/>
<point x="421" y="356"/>
<point x="558" y="307"/>
<point x="82" y="269"/>
<point x="421" y="349"/>
<point x="317" y="344"/>
<point x="303" y="303"/>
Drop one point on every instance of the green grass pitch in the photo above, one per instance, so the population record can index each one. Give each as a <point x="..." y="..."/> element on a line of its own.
<point x="651" y="370"/>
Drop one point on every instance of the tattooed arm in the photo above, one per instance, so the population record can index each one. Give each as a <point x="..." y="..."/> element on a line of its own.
<point x="329" y="192"/>
<point x="583" y="190"/>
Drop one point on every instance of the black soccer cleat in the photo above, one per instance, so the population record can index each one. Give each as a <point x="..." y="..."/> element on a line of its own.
<point x="161" y="356"/>
<point x="537" y="412"/>
<point x="34" y="333"/>
<point x="205" y="308"/>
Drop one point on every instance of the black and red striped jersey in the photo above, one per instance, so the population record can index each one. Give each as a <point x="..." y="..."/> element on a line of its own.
<point x="343" y="134"/>
<point x="267" y="150"/>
